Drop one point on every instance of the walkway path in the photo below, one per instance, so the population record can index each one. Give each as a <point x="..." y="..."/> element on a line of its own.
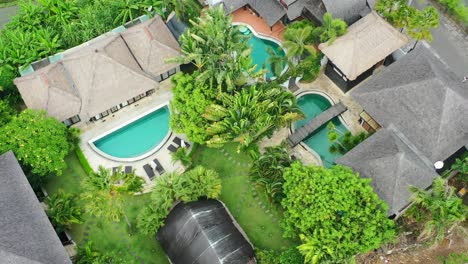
<point x="303" y="132"/>
<point x="6" y="13"/>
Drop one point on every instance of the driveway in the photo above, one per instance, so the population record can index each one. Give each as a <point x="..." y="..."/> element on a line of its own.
<point x="450" y="44"/>
<point x="6" y="13"/>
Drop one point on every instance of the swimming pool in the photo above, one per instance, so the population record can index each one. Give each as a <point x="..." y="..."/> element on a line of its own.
<point x="136" y="138"/>
<point x="260" y="48"/>
<point x="313" y="104"/>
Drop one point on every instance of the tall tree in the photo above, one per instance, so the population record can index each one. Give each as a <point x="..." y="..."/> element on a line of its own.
<point x="191" y="98"/>
<point x="251" y="114"/>
<point x="63" y="210"/>
<point x="219" y="51"/>
<point x="105" y="193"/>
<point x="336" y="212"/>
<point x="446" y="210"/>
<point x="267" y="171"/>
<point x="39" y="142"/>
<point x="331" y="28"/>
<point x="296" y="42"/>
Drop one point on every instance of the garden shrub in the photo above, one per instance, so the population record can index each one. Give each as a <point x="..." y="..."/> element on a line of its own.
<point x="456" y="8"/>
<point x="83" y="161"/>
<point x="287" y="256"/>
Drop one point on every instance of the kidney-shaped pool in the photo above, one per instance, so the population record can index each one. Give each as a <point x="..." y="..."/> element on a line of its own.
<point x="141" y="136"/>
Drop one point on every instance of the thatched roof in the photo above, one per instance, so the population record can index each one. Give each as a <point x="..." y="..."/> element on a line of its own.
<point x="101" y="73"/>
<point x="151" y="42"/>
<point x="392" y="165"/>
<point x="367" y="42"/>
<point x="423" y="99"/>
<point x="26" y="235"/>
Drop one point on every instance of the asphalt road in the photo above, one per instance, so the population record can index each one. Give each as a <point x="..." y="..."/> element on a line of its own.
<point x="448" y="43"/>
<point x="5" y="14"/>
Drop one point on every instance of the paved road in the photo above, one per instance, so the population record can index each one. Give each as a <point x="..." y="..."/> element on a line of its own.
<point x="6" y="13"/>
<point x="448" y="43"/>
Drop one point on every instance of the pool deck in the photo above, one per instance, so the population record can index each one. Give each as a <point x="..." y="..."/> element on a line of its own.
<point x="324" y="86"/>
<point x="258" y="23"/>
<point x="91" y="130"/>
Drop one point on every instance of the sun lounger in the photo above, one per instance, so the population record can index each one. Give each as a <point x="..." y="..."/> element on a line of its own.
<point x="187" y="145"/>
<point x="178" y="141"/>
<point x="149" y="171"/>
<point x="115" y="170"/>
<point x="128" y="169"/>
<point x="171" y="148"/>
<point x="158" y="167"/>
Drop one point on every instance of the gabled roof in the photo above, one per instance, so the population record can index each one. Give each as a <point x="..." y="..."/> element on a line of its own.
<point x="151" y="42"/>
<point x="392" y="165"/>
<point x="87" y="81"/>
<point x="26" y="235"/>
<point x="271" y="10"/>
<point x="423" y="100"/>
<point x="367" y="42"/>
<point x="203" y="232"/>
<point x="348" y="10"/>
<point x="315" y="7"/>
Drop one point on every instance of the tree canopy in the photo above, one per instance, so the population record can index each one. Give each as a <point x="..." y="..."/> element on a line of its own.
<point x="189" y="186"/>
<point x="336" y="213"/>
<point x="39" y="142"/>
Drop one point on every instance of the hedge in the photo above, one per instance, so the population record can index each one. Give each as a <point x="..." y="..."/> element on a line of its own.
<point x="83" y="161"/>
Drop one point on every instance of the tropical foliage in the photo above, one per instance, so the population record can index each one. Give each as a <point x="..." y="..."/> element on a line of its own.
<point x="39" y="142"/>
<point x="250" y="114"/>
<point x="6" y="112"/>
<point x="104" y="192"/>
<point x="62" y="210"/>
<point x="342" y="142"/>
<point x="191" y="98"/>
<point x="331" y="28"/>
<point x="446" y="210"/>
<point x="267" y="171"/>
<point x="87" y="254"/>
<point x="417" y="22"/>
<point x="183" y="156"/>
<point x="461" y="165"/>
<point x="219" y="52"/>
<point x="170" y="188"/>
<point x="335" y="211"/>
<point x="287" y="256"/>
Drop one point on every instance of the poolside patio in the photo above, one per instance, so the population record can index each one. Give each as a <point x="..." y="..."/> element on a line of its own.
<point x="91" y="130"/>
<point x="259" y="24"/>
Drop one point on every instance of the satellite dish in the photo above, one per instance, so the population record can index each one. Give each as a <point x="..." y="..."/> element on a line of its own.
<point x="439" y="165"/>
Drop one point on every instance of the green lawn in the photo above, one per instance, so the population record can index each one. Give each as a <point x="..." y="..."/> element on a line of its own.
<point x="248" y="206"/>
<point x="109" y="236"/>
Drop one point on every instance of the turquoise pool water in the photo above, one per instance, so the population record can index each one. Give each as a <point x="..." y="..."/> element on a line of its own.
<point x="138" y="137"/>
<point x="260" y="52"/>
<point x="312" y="105"/>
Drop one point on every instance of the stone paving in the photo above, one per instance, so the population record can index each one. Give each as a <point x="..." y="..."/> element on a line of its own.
<point x="91" y="130"/>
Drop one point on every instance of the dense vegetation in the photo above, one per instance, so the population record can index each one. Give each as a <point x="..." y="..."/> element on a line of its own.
<point x="190" y="186"/>
<point x="457" y="8"/>
<point x="343" y="141"/>
<point x="417" y="23"/>
<point x="336" y="213"/>
<point x="39" y="142"/>
<point x="44" y="27"/>
<point x="218" y="103"/>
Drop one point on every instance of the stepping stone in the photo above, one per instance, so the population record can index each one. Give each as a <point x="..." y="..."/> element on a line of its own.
<point x="263" y="206"/>
<point x="267" y="211"/>
<point x="260" y="203"/>
<point x="225" y="154"/>
<point x="271" y="214"/>
<point x="238" y="163"/>
<point x="257" y="198"/>
<point x="230" y="158"/>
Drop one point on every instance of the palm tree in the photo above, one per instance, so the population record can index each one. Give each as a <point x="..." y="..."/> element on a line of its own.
<point x="276" y="62"/>
<point x="342" y="142"/>
<point x="296" y="44"/>
<point x="309" y="250"/>
<point x="182" y="156"/>
<point x="445" y="208"/>
<point x="105" y="192"/>
<point x="62" y="210"/>
<point x="331" y="28"/>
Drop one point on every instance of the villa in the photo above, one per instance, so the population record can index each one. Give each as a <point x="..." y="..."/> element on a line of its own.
<point x="421" y="107"/>
<point x="26" y="235"/>
<point x="354" y="56"/>
<point x="102" y="75"/>
<point x="276" y="12"/>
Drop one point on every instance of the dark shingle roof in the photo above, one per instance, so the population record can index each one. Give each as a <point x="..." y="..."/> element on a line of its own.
<point x="423" y="100"/>
<point x="26" y="235"/>
<point x="271" y="10"/>
<point x="203" y="232"/>
<point x="315" y="7"/>
<point x="392" y="165"/>
<point x="348" y="10"/>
